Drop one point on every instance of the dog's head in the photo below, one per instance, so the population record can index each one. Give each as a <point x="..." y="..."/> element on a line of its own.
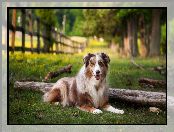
<point x="96" y="65"/>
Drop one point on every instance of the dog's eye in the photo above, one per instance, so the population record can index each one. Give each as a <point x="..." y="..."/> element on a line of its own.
<point x="100" y="63"/>
<point x="92" y="63"/>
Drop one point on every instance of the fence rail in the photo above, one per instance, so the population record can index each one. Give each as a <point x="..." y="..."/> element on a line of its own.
<point x="61" y="41"/>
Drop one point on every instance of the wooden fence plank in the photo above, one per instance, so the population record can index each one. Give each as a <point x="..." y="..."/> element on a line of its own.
<point x="14" y="29"/>
<point x="38" y="35"/>
<point x="64" y="44"/>
<point x="31" y="30"/>
<point x="23" y="31"/>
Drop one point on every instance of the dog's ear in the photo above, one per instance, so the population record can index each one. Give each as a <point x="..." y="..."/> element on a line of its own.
<point x="87" y="58"/>
<point x="106" y="58"/>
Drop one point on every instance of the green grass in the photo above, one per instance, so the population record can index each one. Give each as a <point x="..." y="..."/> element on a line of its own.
<point x="26" y="106"/>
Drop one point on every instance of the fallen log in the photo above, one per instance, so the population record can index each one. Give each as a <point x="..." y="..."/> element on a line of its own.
<point x="156" y="99"/>
<point x="151" y="82"/>
<point x="160" y="69"/>
<point x="54" y="74"/>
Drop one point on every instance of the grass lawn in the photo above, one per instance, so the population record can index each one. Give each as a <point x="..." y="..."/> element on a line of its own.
<point x="26" y="106"/>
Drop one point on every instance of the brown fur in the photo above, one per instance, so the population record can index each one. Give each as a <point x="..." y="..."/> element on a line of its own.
<point x="106" y="106"/>
<point x="85" y="99"/>
<point x="68" y="86"/>
<point x="87" y="58"/>
<point x="106" y="59"/>
<point x="105" y="102"/>
<point x="88" y="72"/>
<point x="73" y="95"/>
<point x="87" y="108"/>
<point x="54" y="96"/>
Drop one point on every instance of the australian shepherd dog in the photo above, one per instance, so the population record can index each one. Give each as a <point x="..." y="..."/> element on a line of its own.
<point x="87" y="90"/>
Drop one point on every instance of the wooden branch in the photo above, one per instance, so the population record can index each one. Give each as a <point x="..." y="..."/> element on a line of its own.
<point x="136" y="65"/>
<point x="160" y="69"/>
<point x="152" y="82"/>
<point x="54" y="74"/>
<point x="156" y="99"/>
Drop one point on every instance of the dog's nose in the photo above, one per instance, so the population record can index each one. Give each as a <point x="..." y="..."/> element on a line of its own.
<point x="97" y="72"/>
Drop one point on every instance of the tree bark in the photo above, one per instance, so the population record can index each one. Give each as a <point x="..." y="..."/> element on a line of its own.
<point x="144" y="45"/>
<point x="156" y="99"/>
<point x="153" y="82"/>
<point x="134" y="44"/>
<point x="132" y="47"/>
<point x="126" y="51"/>
<point x="155" y="37"/>
<point x="129" y="37"/>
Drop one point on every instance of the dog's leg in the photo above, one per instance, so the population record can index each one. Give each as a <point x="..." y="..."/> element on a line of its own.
<point x="112" y="109"/>
<point x="52" y="96"/>
<point x="90" y="109"/>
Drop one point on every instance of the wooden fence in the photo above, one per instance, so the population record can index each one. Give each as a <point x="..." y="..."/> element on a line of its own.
<point x="63" y="43"/>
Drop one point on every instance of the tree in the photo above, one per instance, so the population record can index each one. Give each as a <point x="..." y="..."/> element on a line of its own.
<point x="130" y="16"/>
<point x="74" y="21"/>
<point x="144" y="30"/>
<point x="46" y="16"/>
<point x="155" y="33"/>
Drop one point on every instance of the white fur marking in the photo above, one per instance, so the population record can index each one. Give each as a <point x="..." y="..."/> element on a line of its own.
<point x="97" y="67"/>
<point x="114" y="110"/>
<point x="56" y="103"/>
<point x="97" y="111"/>
<point x="45" y="97"/>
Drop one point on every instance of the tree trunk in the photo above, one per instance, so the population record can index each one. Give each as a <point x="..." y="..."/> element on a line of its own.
<point x="47" y="42"/>
<point x="155" y="40"/>
<point x="157" y="99"/>
<point x="132" y="47"/>
<point x="129" y="38"/>
<point x="144" y="44"/>
<point x="126" y="43"/>
<point x="134" y="44"/>
<point x="147" y="37"/>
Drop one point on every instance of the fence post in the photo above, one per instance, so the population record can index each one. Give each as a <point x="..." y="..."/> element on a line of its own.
<point x="57" y="42"/>
<point x="23" y="30"/>
<point x="14" y="29"/>
<point x="60" y="48"/>
<point x="31" y="30"/>
<point x="74" y="49"/>
<point x="38" y="35"/>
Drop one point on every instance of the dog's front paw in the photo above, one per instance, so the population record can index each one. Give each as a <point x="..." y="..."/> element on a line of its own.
<point x="114" y="110"/>
<point x="56" y="103"/>
<point x="118" y="111"/>
<point x="97" y="111"/>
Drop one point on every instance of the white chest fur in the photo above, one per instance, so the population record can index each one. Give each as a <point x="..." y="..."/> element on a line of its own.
<point x="96" y="92"/>
<point x="89" y="85"/>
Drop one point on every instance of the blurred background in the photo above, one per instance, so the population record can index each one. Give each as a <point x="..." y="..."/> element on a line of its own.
<point x="128" y="32"/>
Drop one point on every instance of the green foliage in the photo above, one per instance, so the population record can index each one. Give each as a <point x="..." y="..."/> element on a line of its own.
<point x="74" y="21"/>
<point x="122" y="13"/>
<point x="163" y="40"/>
<point x="28" y="104"/>
<point x="47" y="16"/>
<point x="100" y="22"/>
